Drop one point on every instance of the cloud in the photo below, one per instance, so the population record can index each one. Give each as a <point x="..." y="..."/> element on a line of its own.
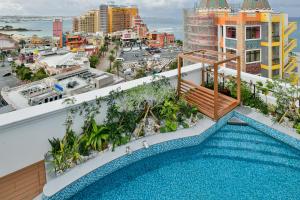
<point x="156" y="8"/>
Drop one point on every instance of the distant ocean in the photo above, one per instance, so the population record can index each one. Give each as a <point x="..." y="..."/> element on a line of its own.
<point x="169" y="25"/>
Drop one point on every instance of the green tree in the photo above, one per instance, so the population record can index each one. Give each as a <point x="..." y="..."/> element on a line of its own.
<point x="111" y="59"/>
<point x="103" y="49"/>
<point x="117" y="65"/>
<point x="39" y="75"/>
<point x="94" y="60"/>
<point x="22" y="43"/>
<point x="24" y="73"/>
<point x="140" y="73"/>
<point x="112" y="52"/>
<point x="179" y="43"/>
<point x="173" y="65"/>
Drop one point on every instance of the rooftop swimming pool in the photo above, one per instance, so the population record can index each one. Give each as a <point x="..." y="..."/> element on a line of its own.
<point x="237" y="162"/>
<point x="225" y="162"/>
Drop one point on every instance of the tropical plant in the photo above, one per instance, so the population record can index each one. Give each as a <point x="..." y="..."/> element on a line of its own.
<point x="117" y="65"/>
<point x="111" y="59"/>
<point x="39" y="75"/>
<point x="103" y="49"/>
<point x="97" y="138"/>
<point x="112" y="52"/>
<point x="173" y="65"/>
<point x="94" y="60"/>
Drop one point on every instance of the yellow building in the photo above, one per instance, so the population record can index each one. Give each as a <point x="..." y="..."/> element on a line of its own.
<point x="89" y="22"/>
<point x="120" y="18"/>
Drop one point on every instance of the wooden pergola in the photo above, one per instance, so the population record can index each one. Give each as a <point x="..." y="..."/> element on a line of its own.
<point x="209" y="102"/>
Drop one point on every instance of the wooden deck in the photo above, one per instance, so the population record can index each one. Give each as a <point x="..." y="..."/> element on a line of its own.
<point x="210" y="102"/>
<point x="203" y="99"/>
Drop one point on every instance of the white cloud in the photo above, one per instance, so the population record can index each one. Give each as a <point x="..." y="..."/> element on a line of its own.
<point x="161" y="8"/>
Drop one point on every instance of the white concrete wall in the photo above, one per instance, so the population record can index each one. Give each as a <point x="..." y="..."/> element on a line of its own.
<point x="24" y="133"/>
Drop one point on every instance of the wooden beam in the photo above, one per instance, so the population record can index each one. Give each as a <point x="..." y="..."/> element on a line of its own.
<point x="238" y="79"/>
<point x="216" y="92"/>
<point x="198" y="59"/>
<point x="179" y="74"/>
<point x="227" y="60"/>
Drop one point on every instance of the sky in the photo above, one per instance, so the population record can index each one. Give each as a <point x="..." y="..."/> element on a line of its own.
<point x="148" y="8"/>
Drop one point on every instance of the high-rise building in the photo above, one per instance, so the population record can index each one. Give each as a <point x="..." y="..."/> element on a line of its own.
<point x="57" y="27"/>
<point x="75" y="24"/>
<point x="255" y="32"/>
<point x="121" y="17"/>
<point x="103" y="18"/>
<point x="108" y="19"/>
<point x="89" y="22"/>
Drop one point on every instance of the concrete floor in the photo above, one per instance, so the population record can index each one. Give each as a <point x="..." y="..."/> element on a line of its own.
<point x="10" y="81"/>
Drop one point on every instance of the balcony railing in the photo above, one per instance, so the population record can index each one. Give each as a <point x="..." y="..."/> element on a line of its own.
<point x="275" y="61"/>
<point x="275" y="38"/>
<point x="292" y="27"/>
<point x="290" y="46"/>
<point x="292" y="64"/>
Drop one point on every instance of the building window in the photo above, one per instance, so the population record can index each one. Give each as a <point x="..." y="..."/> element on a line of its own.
<point x="253" y="56"/>
<point x="231" y="32"/>
<point x="231" y="51"/>
<point x="253" y="33"/>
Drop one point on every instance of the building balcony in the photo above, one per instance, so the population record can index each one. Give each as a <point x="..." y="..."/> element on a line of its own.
<point x="291" y="65"/>
<point x="290" y="46"/>
<point x="275" y="38"/>
<point x="292" y="27"/>
<point x="275" y="61"/>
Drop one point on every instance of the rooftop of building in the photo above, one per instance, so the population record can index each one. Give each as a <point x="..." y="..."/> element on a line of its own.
<point x="68" y="59"/>
<point x="58" y="87"/>
<point x="256" y="5"/>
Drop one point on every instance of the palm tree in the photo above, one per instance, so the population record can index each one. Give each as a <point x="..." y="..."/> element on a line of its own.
<point x="102" y="50"/>
<point x="117" y="65"/>
<point x="111" y="59"/>
<point x="112" y="52"/>
<point x="2" y="57"/>
<point x="22" y="43"/>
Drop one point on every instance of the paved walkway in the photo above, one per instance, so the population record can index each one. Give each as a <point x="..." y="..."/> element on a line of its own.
<point x="104" y="62"/>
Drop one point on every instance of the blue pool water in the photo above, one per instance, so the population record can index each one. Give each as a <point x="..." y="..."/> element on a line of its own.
<point x="237" y="162"/>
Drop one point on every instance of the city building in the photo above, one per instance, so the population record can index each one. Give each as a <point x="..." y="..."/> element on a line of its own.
<point x="62" y="62"/>
<point x="121" y="17"/>
<point x="106" y="19"/>
<point x="7" y="43"/>
<point x="74" y="41"/>
<point x="57" y="87"/>
<point x="57" y="27"/>
<point x="89" y="22"/>
<point x="140" y="27"/>
<point x="103" y="18"/>
<point x="258" y="34"/>
<point x="160" y="40"/>
<point x="75" y="25"/>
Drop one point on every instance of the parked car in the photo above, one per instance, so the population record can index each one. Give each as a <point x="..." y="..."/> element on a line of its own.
<point x="120" y="59"/>
<point x="7" y="74"/>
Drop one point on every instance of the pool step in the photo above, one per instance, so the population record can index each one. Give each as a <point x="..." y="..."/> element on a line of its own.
<point x="247" y="143"/>
<point x="254" y="156"/>
<point x="237" y="122"/>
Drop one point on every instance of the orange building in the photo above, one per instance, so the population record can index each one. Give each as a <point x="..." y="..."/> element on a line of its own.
<point x="121" y="17"/>
<point x="260" y="36"/>
<point x="74" y="41"/>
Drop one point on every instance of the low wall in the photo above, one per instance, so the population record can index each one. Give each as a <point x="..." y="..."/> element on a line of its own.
<point x="24" y="133"/>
